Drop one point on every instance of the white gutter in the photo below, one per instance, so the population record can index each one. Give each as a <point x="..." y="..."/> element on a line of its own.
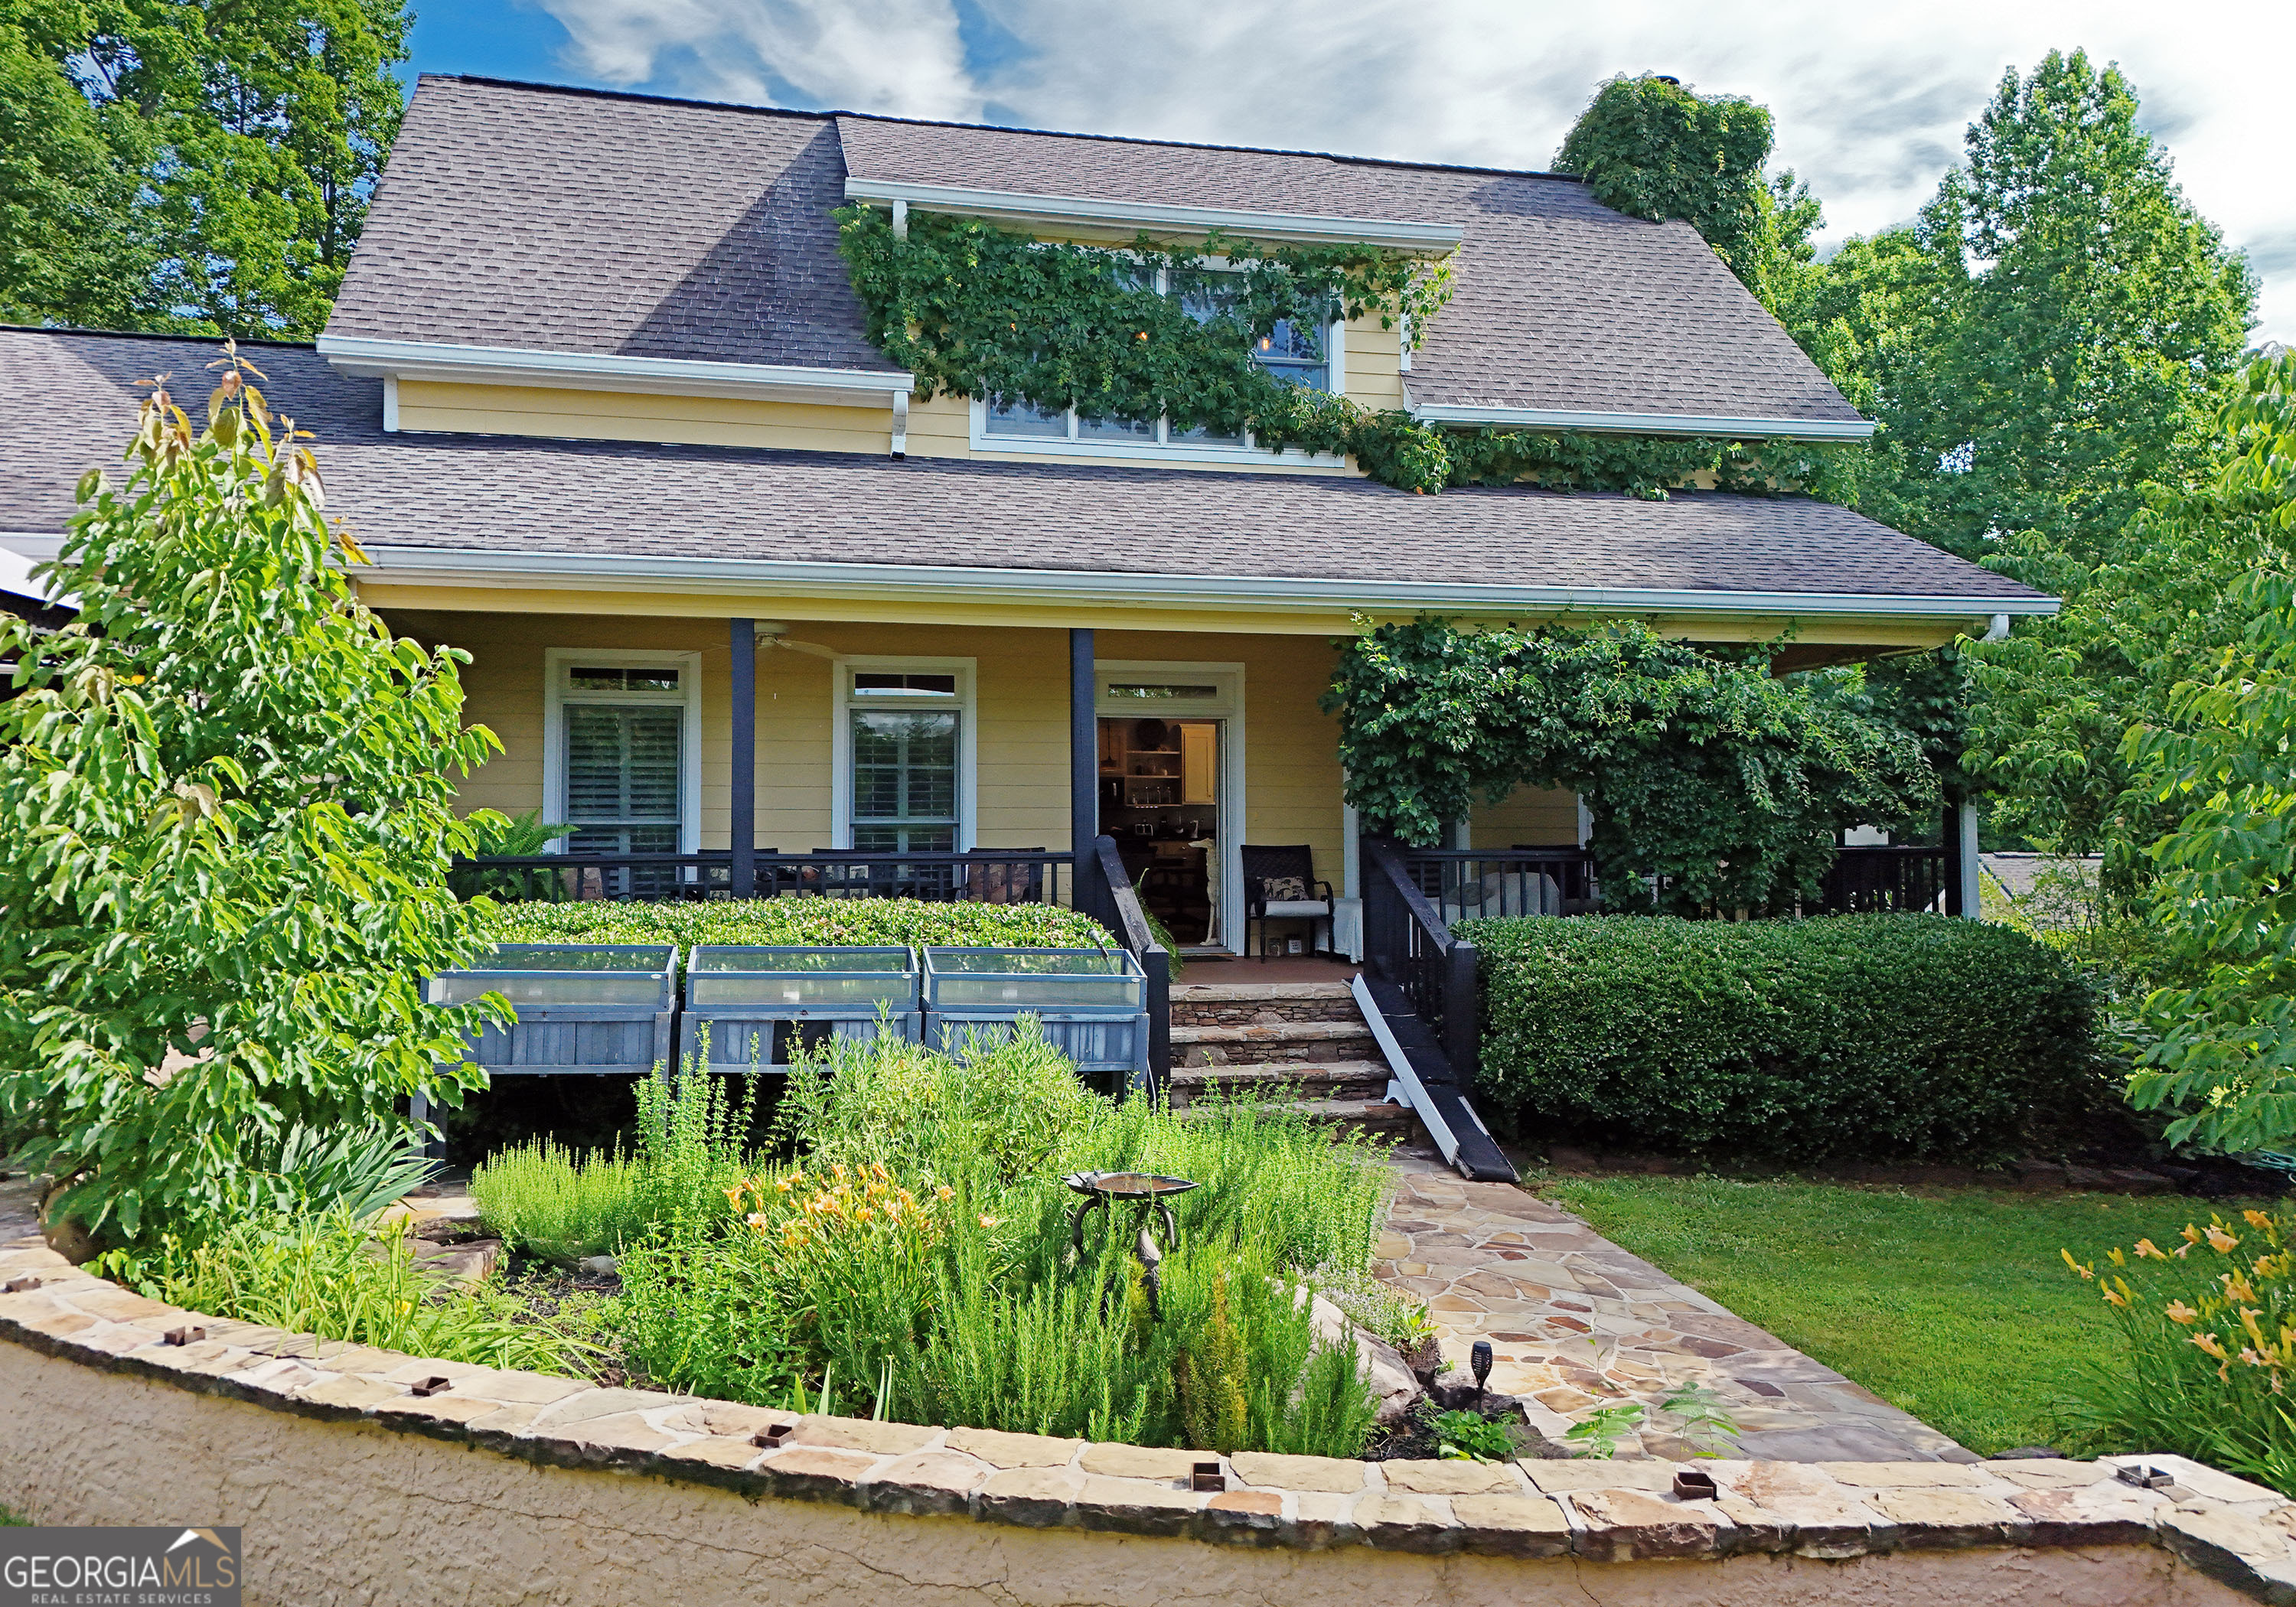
<point x="1019" y="206"/>
<point x="585" y="371"/>
<point x="443" y="566"/>
<point x="1644" y="423"/>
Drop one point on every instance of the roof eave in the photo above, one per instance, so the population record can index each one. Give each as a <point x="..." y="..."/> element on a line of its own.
<point x="1592" y="422"/>
<point x="1076" y="211"/>
<point x="1257" y="594"/>
<point x="371" y="358"/>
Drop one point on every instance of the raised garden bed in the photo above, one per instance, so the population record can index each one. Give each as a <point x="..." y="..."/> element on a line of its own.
<point x="1091" y="1003"/>
<point x="753" y="1007"/>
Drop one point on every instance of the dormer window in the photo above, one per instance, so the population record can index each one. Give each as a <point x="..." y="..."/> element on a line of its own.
<point x="1296" y="352"/>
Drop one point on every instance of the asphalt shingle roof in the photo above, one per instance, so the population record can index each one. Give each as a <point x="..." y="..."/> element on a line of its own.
<point x="67" y="403"/>
<point x="551" y="220"/>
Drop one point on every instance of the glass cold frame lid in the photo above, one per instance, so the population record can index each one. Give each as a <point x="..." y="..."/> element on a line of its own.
<point x="1045" y="978"/>
<point x="561" y="974"/>
<point x="818" y="978"/>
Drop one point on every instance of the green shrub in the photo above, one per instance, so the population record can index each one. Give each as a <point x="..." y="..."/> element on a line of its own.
<point x="916" y="1261"/>
<point x="804" y="921"/>
<point x="2210" y="1332"/>
<point x="337" y="1277"/>
<point x="559" y="1204"/>
<point x="1846" y="1037"/>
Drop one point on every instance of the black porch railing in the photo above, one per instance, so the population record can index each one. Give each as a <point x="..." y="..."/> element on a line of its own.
<point x="1866" y="880"/>
<point x="1408" y="942"/>
<point x="1095" y="886"/>
<point x="982" y="876"/>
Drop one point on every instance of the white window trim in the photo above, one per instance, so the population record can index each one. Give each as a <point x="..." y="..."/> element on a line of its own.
<point x="554" y="663"/>
<point x="968" y="740"/>
<point x="1163" y="449"/>
<point x="1228" y="707"/>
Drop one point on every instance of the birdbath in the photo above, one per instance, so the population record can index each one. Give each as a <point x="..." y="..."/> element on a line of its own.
<point x="1148" y="1192"/>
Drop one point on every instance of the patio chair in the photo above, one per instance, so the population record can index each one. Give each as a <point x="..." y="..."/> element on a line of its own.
<point x="1004" y="876"/>
<point x="1279" y="884"/>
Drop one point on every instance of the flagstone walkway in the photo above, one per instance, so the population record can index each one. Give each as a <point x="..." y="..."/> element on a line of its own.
<point x="1575" y="1324"/>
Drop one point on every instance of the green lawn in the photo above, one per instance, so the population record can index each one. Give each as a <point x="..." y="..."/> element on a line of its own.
<point x="1953" y="1304"/>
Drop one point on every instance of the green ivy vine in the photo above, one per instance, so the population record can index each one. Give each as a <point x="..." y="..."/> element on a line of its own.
<point x="977" y="311"/>
<point x="1721" y="782"/>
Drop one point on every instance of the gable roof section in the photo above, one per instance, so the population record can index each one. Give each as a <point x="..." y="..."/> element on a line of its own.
<point x="525" y="217"/>
<point x="651" y="516"/>
<point x="607" y="225"/>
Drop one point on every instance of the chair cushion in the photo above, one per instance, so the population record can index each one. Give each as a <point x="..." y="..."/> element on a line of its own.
<point x="1297" y="909"/>
<point x="1288" y="888"/>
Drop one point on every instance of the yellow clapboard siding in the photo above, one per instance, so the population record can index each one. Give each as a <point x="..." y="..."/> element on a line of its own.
<point x="1547" y="817"/>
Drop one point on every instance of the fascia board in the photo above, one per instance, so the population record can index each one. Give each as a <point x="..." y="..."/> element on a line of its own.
<point x="1020" y="206"/>
<point x="588" y="371"/>
<point x="437" y="566"/>
<point x="1644" y="423"/>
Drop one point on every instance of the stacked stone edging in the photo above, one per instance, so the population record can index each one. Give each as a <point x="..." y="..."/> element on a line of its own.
<point x="1589" y="1512"/>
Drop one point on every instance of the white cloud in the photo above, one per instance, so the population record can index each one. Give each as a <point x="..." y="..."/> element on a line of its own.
<point x="900" y="56"/>
<point x="1871" y="100"/>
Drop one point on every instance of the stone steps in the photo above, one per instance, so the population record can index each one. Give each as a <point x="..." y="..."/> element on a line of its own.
<point x="1373" y="1118"/>
<point x="1321" y="1079"/>
<point x="1272" y="1041"/>
<point x="1261" y="1003"/>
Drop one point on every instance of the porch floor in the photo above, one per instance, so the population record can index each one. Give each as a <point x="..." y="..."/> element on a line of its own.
<point x="1232" y="971"/>
<point x="1575" y="1324"/>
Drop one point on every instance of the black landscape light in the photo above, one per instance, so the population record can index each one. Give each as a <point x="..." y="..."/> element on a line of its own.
<point x="1478" y="1360"/>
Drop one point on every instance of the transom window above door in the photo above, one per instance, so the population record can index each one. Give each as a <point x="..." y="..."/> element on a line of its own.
<point x="905" y="756"/>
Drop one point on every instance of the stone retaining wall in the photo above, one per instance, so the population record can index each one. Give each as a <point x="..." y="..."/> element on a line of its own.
<point x="363" y="1476"/>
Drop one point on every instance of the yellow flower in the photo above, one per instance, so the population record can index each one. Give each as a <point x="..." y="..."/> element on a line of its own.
<point x="2256" y="1218"/>
<point x="2209" y="1346"/>
<point x="2085" y="1272"/>
<point x="2114" y="1298"/>
<point x="784" y="1183"/>
<point x="2192" y="1234"/>
<point x="2237" y="1287"/>
<point x="988" y="1221"/>
<point x="2150" y="1251"/>
<point x="2221" y="1241"/>
<point x="2115" y="1257"/>
<point x="943" y="1193"/>
<point x="755" y="1218"/>
<point x="2178" y="1312"/>
<point x="733" y="1196"/>
<point x="2250" y="1356"/>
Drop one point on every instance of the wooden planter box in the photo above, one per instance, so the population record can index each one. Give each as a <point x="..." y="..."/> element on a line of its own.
<point x="583" y="1009"/>
<point x="756" y="1004"/>
<point x="1091" y="1003"/>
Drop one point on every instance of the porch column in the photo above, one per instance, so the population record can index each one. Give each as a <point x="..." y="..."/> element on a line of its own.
<point x="742" y="799"/>
<point x="1084" y="768"/>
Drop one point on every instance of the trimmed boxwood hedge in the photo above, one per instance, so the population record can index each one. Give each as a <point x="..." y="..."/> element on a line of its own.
<point x="804" y="921"/>
<point x="1845" y="1037"/>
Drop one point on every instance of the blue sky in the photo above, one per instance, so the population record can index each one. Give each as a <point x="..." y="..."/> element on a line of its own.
<point x="1871" y="100"/>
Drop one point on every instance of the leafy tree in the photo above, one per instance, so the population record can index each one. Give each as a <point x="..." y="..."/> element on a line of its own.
<point x="243" y="141"/>
<point x="1726" y="784"/>
<point x="2224" y="759"/>
<point x="2051" y="333"/>
<point x="69" y="243"/>
<point x="1651" y="148"/>
<point x="224" y="833"/>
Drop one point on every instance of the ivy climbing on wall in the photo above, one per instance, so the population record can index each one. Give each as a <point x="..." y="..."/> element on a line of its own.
<point x="1702" y="771"/>
<point x="981" y="312"/>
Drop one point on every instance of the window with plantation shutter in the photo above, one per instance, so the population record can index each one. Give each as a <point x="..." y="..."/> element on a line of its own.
<point x="622" y="760"/>
<point x="904" y="784"/>
<point x="622" y="768"/>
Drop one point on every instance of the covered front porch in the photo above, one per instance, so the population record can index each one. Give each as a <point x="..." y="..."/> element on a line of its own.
<point x="888" y="758"/>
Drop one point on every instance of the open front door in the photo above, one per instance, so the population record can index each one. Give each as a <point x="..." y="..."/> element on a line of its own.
<point x="1169" y="790"/>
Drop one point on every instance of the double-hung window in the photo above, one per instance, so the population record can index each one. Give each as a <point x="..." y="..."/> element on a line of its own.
<point x="907" y="776"/>
<point x="1296" y="351"/>
<point x="622" y="752"/>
